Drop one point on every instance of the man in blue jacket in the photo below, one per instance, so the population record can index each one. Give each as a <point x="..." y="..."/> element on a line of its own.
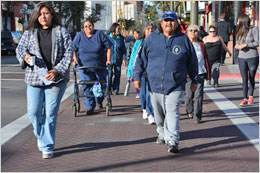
<point x="167" y="56"/>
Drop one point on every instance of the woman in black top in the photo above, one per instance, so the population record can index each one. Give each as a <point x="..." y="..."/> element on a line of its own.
<point x="213" y="44"/>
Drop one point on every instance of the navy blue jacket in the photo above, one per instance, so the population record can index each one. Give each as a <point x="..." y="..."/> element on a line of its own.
<point x="167" y="62"/>
<point x="120" y="49"/>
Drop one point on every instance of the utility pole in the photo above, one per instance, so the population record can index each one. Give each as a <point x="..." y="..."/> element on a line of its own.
<point x="219" y="9"/>
<point x="213" y="12"/>
<point x="237" y="12"/>
<point x="194" y="13"/>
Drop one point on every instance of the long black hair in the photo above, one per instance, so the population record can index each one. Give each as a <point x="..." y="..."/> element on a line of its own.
<point x="113" y="28"/>
<point x="33" y="21"/>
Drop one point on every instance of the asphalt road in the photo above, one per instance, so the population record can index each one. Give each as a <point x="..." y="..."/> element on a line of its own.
<point x="13" y="90"/>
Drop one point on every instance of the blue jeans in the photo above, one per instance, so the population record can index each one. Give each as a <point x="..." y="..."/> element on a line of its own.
<point x="167" y="114"/>
<point x="145" y="96"/>
<point x="215" y="72"/>
<point x="42" y="109"/>
<point x="89" y="99"/>
<point x="116" y="70"/>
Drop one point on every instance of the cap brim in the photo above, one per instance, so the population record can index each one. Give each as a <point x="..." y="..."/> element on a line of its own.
<point x="169" y="18"/>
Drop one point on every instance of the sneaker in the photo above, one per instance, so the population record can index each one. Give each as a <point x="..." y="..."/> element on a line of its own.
<point x="251" y="100"/>
<point x="115" y="92"/>
<point x="160" y="140"/>
<point x="172" y="147"/>
<point x="190" y="115"/>
<point x="243" y="103"/>
<point x="38" y="143"/>
<point x="216" y="85"/>
<point x="137" y="96"/>
<point x="151" y="119"/>
<point x="47" y="155"/>
<point x="145" y="116"/>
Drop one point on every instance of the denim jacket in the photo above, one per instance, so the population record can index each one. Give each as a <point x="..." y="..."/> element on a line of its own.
<point x="61" y="56"/>
<point x="120" y="49"/>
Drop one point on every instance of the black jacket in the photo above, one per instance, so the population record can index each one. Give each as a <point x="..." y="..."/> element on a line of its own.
<point x="224" y="29"/>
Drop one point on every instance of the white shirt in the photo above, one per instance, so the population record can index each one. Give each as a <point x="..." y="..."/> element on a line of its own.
<point x="200" y="56"/>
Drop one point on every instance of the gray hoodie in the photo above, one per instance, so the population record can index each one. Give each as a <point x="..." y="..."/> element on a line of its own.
<point x="252" y="41"/>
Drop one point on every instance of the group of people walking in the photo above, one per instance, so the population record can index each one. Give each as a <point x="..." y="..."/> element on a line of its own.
<point x="163" y="64"/>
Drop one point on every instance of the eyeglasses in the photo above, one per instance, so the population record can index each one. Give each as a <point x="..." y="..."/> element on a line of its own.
<point x="212" y="31"/>
<point x="193" y="30"/>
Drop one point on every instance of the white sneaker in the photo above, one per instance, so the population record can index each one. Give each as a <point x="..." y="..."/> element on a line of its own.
<point x="145" y="116"/>
<point x="151" y="119"/>
<point x="47" y="155"/>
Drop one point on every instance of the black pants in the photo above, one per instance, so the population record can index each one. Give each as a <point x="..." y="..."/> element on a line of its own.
<point x="248" y="68"/>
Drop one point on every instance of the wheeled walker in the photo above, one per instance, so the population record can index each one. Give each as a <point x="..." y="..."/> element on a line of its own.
<point x="104" y="83"/>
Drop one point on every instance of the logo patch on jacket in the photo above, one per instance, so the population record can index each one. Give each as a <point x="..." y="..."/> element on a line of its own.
<point x="176" y="49"/>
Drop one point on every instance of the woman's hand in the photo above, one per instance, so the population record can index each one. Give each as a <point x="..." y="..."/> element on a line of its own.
<point x="75" y="62"/>
<point x="52" y="74"/>
<point x="240" y="46"/>
<point x="26" y="58"/>
<point x="108" y="62"/>
<point x="137" y="84"/>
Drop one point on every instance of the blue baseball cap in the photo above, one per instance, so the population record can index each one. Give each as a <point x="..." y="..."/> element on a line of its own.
<point x="169" y="15"/>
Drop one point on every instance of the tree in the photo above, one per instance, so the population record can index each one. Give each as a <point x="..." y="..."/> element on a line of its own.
<point x="71" y="11"/>
<point x="96" y="13"/>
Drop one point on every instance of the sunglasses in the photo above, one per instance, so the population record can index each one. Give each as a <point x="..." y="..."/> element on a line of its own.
<point x="193" y="30"/>
<point x="212" y="31"/>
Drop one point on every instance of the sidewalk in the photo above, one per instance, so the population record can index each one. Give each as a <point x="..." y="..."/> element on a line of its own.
<point x="124" y="142"/>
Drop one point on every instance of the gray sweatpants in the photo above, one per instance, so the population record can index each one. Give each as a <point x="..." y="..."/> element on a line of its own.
<point x="167" y="114"/>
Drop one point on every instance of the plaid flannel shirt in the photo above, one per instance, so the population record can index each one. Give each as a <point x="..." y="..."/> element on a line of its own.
<point x="61" y="54"/>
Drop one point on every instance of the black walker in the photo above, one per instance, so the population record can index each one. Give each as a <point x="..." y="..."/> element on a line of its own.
<point x="106" y="89"/>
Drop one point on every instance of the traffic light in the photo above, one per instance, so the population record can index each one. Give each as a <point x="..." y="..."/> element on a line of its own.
<point x="149" y="15"/>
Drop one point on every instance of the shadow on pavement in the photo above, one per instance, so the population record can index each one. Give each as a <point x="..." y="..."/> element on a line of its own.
<point x="98" y="145"/>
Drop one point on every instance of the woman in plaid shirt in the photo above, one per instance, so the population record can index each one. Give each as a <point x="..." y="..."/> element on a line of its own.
<point x="51" y="47"/>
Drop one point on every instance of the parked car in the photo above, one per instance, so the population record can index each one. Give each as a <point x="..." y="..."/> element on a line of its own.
<point x="7" y="43"/>
<point x="16" y="37"/>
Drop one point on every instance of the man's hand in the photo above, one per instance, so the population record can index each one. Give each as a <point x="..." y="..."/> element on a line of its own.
<point x="137" y="84"/>
<point x="193" y="87"/>
<point x="52" y="74"/>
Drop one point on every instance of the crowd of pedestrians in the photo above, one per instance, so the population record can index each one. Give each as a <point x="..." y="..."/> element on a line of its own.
<point x="164" y="62"/>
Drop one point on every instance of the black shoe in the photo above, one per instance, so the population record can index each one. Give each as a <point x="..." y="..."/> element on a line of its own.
<point x="160" y="140"/>
<point x="100" y="106"/>
<point x="88" y="112"/>
<point x="197" y="121"/>
<point x="172" y="147"/>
